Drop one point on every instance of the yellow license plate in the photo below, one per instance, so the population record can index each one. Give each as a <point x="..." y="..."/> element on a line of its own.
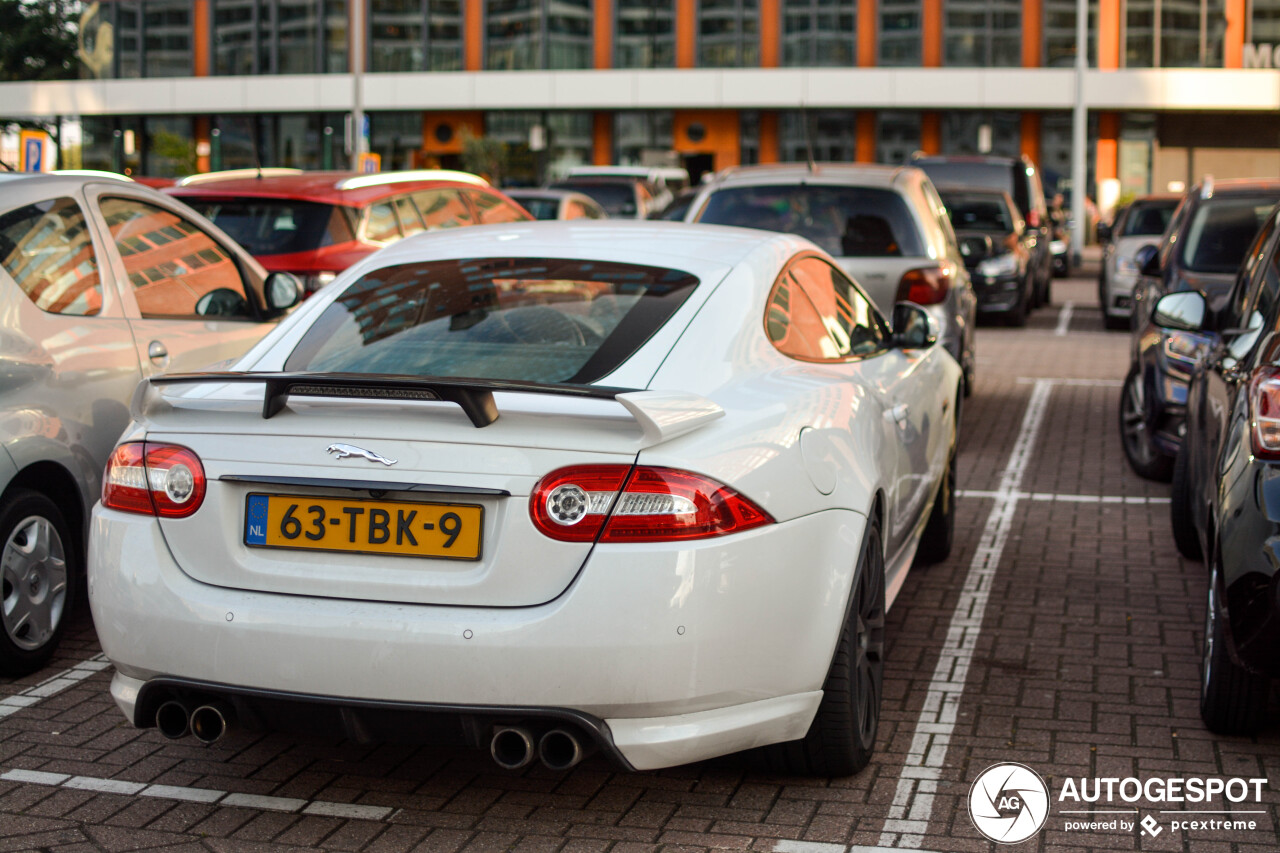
<point x="441" y="531"/>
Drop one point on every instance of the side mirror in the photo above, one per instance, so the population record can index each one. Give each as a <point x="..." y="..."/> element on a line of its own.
<point x="1148" y="261"/>
<point x="1104" y="232"/>
<point x="283" y="291"/>
<point x="913" y="328"/>
<point x="1182" y="311"/>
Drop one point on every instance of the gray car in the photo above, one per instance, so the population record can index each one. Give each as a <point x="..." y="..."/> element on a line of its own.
<point x="102" y="282"/>
<point x="885" y="225"/>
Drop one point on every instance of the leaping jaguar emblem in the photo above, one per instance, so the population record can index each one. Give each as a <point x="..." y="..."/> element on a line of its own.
<point x="343" y="451"/>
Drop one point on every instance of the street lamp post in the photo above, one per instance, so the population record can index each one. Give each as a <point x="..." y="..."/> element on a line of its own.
<point x="357" y="89"/>
<point x="1079" y="135"/>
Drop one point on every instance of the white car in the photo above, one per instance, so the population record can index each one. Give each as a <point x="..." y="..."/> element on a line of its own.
<point x="548" y="487"/>
<point x="1142" y="223"/>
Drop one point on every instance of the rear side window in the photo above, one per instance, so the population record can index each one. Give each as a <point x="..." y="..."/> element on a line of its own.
<point x="532" y="319"/>
<point x="493" y="210"/>
<point x="381" y="227"/>
<point x="857" y="222"/>
<point x="543" y="208"/>
<point x="410" y="219"/>
<point x="848" y="317"/>
<point x="47" y="249"/>
<point x="443" y="209"/>
<point x="794" y="325"/>
<point x="1147" y="220"/>
<point x="1221" y="231"/>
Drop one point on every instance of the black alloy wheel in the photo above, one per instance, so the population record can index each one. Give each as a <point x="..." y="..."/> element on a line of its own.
<point x="1140" y="450"/>
<point x="1233" y="701"/>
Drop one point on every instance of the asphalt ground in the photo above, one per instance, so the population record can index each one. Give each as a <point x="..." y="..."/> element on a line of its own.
<point x="1063" y="634"/>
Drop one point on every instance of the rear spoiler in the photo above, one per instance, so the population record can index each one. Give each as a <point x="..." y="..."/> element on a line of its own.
<point x="662" y="415"/>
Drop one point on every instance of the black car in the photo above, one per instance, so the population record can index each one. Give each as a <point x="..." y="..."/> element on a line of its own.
<point x="996" y="248"/>
<point x="1226" y="483"/>
<point x="1202" y="249"/>
<point x="1020" y="178"/>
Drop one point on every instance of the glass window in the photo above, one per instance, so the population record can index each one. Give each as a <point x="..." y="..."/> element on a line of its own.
<point x="961" y="132"/>
<point x="832" y="133"/>
<point x="793" y="323"/>
<point x="820" y="33"/>
<point x="1264" y="25"/>
<point x="176" y="269"/>
<point x="270" y="226"/>
<point x="380" y="222"/>
<point x="618" y="198"/>
<point x="1221" y="231"/>
<point x="1148" y="219"/>
<point x="138" y="38"/>
<point x="979" y="212"/>
<point x="646" y="34"/>
<point x="278" y="36"/>
<point x="1060" y="33"/>
<point x="235" y="28"/>
<point x="851" y="322"/>
<point x="901" y="32"/>
<point x="728" y="33"/>
<point x="569" y="42"/>
<point x="1174" y="33"/>
<point x="415" y="35"/>
<point x="169" y="146"/>
<point x="443" y="209"/>
<point x="897" y="136"/>
<point x="47" y="250"/>
<point x="542" y="208"/>
<point x="533" y="34"/>
<point x="639" y="135"/>
<point x="533" y="319"/>
<point x="410" y="219"/>
<point x="494" y="209"/>
<point x="844" y="221"/>
<point x="298" y="32"/>
<point x="982" y="33"/>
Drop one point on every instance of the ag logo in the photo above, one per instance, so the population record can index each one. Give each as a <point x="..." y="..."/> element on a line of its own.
<point x="1009" y="803"/>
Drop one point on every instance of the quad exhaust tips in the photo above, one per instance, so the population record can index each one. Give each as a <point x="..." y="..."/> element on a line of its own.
<point x="512" y="747"/>
<point x="172" y="720"/>
<point x="210" y="722"/>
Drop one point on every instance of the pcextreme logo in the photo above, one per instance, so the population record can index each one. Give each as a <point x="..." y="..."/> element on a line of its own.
<point x="1009" y="803"/>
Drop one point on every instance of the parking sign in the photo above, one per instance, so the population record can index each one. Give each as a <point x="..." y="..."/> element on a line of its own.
<point x="31" y="150"/>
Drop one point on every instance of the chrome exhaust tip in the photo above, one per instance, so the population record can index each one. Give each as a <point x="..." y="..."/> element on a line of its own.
<point x="512" y="747"/>
<point x="210" y="722"/>
<point x="560" y="749"/>
<point x="172" y="720"/>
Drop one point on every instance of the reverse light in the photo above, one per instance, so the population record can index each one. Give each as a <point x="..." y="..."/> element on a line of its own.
<point x="647" y="504"/>
<point x="1264" y="412"/>
<point x="925" y="286"/>
<point x="165" y="480"/>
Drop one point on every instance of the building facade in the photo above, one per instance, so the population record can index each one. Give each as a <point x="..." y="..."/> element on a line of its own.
<point x="1175" y="88"/>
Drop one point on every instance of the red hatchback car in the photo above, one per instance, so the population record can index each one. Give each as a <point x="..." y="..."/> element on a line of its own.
<point x="316" y="224"/>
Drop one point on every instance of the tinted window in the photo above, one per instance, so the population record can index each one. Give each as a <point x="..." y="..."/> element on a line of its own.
<point x="851" y="322"/>
<point x="794" y="325"/>
<point x="175" y="268"/>
<point x="410" y="219"/>
<point x="276" y="226"/>
<point x="1147" y="220"/>
<point x="978" y="212"/>
<point x="1221" y="231"/>
<point x="541" y="208"/>
<point x="845" y="221"/>
<point x="47" y="249"/>
<point x="617" y="198"/>
<point x="535" y="319"/>
<point x="380" y="226"/>
<point x="996" y="176"/>
<point x="443" y="209"/>
<point x="495" y="209"/>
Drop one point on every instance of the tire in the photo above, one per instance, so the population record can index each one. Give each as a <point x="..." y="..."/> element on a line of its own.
<point x="1185" y="535"/>
<point x="940" y="531"/>
<point x="39" y="562"/>
<point x="1144" y="457"/>
<point x="1233" y="701"/>
<point x="842" y="737"/>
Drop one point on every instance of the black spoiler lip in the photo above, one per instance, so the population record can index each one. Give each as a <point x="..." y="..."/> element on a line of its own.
<point x="475" y="396"/>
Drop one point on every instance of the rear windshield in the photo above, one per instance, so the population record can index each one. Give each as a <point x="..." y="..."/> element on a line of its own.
<point x="541" y="208"/>
<point x="974" y="212"/>
<point x="617" y="198"/>
<point x="995" y="176"/>
<point x="1148" y="219"/>
<point x="532" y="319"/>
<point x="848" y="222"/>
<point x="271" y="226"/>
<point x="1221" y="231"/>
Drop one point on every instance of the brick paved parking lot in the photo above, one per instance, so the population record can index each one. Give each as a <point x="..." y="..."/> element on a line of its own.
<point x="1063" y="634"/>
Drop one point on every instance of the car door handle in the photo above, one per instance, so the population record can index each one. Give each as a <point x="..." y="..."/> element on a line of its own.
<point x="157" y="352"/>
<point x="898" y="413"/>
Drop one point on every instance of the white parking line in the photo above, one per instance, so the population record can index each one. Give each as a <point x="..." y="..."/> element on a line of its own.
<point x="1076" y="499"/>
<point x="912" y="806"/>
<point x="787" y="846"/>
<point x="53" y="685"/>
<point x="1085" y="383"/>
<point x="1064" y="319"/>
<point x="200" y="795"/>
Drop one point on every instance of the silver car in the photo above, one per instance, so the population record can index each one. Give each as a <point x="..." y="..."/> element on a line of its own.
<point x="885" y="225"/>
<point x="102" y="282"/>
<point x="1140" y="224"/>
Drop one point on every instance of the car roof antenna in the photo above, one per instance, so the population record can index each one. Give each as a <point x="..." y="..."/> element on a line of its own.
<point x="253" y="146"/>
<point x="808" y="138"/>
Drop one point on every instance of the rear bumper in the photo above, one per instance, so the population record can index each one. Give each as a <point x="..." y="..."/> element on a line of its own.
<point x="684" y="652"/>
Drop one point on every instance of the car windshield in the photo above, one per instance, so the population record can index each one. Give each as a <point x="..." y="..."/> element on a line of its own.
<point x="532" y="319"/>
<point x="618" y="198"/>
<point x="978" y="212"/>
<point x="1148" y="219"/>
<point x="1221" y="231"/>
<point x="271" y="226"/>
<point x="850" y="222"/>
<point x="541" y="208"/>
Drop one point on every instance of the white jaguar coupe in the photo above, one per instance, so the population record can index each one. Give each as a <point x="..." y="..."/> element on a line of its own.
<point x="542" y="489"/>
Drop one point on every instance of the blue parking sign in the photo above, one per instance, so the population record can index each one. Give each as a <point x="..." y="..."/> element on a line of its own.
<point x="32" y="154"/>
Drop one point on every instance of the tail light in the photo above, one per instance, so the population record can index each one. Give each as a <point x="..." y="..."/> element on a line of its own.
<point x="925" y="286"/>
<point x="1264" y="412"/>
<point x="153" y="479"/>
<point x="617" y="504"/>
